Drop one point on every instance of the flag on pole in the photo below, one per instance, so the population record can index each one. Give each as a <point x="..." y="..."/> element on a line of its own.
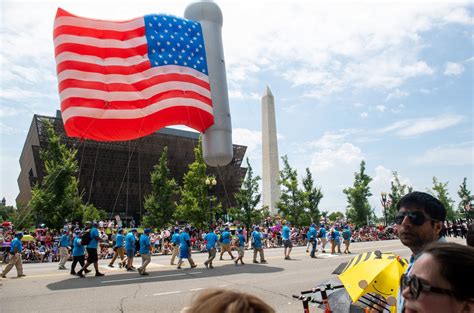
<point x="124" y="80"/>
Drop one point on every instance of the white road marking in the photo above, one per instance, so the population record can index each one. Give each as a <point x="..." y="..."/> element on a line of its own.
<point x="166" y="293"/>
<point x="223" y="285"/>
<point x="195" y="289"/>
<point x="194" y="273"/>
<point x="141" y="278"/>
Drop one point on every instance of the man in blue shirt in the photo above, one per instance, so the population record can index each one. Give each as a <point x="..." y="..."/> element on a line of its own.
<point x="63" y="250"/>
<point x="225" y="243"/>
<point x="211" y="239"/>
<point x="285" y="235"/>
<point x="241" y="238"/>
<point x="118" y="249"/>
<point x="175" y="243"/>
<point x="322" y="235"/>
<point x="78" y="252"/>
<point x="15" y="257"/>
<point x="312" y="234"/>
<point x="145" y="247"/>
<point x="92" y="257"/>
<point x="257" y="245"/>
<point x="420" y="221"/>
<point x="346" y="235"/>
<point x="130" y="248"/>
<point x="185" y="248"/>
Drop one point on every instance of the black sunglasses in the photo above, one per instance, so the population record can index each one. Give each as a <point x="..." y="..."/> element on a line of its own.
<point x="416" y="285"/>
<point x="417" y="218"/>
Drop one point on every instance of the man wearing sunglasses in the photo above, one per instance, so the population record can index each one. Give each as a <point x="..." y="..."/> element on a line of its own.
<point x="420" y="220"/>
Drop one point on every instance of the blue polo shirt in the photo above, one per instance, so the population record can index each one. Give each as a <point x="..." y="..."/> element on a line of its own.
<point x="183" y="238"/>
<point x="94" y="233"/>
<point x="257" y="239"/>
<point x="211" y="239"/>
<point x="226" y="237"/>
<point x="322" y="232"/>
<point x="241" y="240"/>
<point x="77" y="247"/>
<point x="64" y="241"/>
<point x="144" y="244"/>
<point x="311" y="233"/>
<point x="175" y="239"/>
<point x="337" y="236"/>
<point x="130" y="241"/>
<point x="119" y="239"/>
<point x="285" y="233"/>
<point x="16" y="244"/>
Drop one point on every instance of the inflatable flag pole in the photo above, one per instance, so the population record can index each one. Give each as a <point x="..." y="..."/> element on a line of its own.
<point x="217" y="140"/>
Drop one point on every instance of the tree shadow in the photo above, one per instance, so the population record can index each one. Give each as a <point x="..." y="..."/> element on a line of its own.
<point x="128" y="278"/>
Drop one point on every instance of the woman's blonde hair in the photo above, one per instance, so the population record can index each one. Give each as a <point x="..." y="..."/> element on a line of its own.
<point x="227" y="301"/>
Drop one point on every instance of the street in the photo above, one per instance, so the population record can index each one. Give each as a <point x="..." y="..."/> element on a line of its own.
<point x="166" y="289"/>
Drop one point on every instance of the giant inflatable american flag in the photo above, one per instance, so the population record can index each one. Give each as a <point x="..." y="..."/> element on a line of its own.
<point x="124" y="80"/>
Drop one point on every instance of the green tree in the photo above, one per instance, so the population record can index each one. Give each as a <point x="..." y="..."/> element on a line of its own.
<point x="466" y="198"/>
<point x="324" y="215"/>
<point x="440" y="191"/>
<point x="312" y="196"/>
<point x="397" y="191"/>
<point x="358" y="208"/>
<point x="247" y="199"/>
<point x="334" y="216"/>
<point x="160" y="204"/>
<point x="21" y="217"/>
<point x="194" y="206"/>
<point x="55" y="199"/>
<point x="91" y="213"/>
<point x="291" y="204"/>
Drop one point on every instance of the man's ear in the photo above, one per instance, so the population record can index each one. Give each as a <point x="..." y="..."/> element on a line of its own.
<point x="438" y="226"/>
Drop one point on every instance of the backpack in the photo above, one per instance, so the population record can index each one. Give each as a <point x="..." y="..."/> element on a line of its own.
<point x="345" y="235"/>
<point x="86" y="238"/>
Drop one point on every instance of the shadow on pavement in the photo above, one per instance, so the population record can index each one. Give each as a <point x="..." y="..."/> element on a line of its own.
<point x="158" y="276"/>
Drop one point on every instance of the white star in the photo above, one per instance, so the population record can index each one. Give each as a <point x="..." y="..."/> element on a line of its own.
<point x="160" y="56"/>
<point x="191" y="41"/>
<point x="183" y="51"/>
<point x="198" y="62"/>
<point x="159" y="24"/>
<point x="203" y="70"/>
<point x="189" y="29"/>
<point x="179" y="26"/>
<point x="166" y="31"/>
<point x="153" y="51"/>
<point x="201" y="58"/>
<point x="168" y="43"/>
<point x="172" y="37"/>
<point x="180" y="57"/>
<point x="161" y="36"/>
<point x="175" y="62"/>
<point x="200" y="46"/>
<point x="162" y="50"/>
<point x="194" y="38"/>
<point x="181" y="38"/>
<point x="150" y="24"/>
<point x="166" y="62"/>
<point x="164" y="18"/>
<point x="152" y="37"/>
<point x="158" y="43"/>
<point x="194" y="66"/>
<point x="154" y="17"/>
<point x="197" y="50"/>
<point x="186" y="34"/>
<point x="178" y="44"/>
<point x="156" y="63"/>
<point x="170" y="25"/>
<point x="192" y="54"/>
<point x="199" y="34"/>
<point x="189" y="58"/>
<point x="188" y="46"/>
<point x="174" y="20"/>
<point x="173" y="49"/>
<point x="169" y="56"/>
<point x="185" y="63"/>
<point x="194" y="26"/>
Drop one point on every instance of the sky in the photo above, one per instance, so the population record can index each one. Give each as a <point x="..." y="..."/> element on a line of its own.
<point x="390" y="83"/>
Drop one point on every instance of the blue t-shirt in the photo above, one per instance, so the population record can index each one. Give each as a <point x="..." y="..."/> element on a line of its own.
<point x="285" y="234"/>
<point x="322" y="232"/>
<point x="346" y="234"/>
<point x="257" y="239"/>
<point x="241" y="240"/>
<point x="225" y="237"/>
<point x="130" y="241"/>
<point x="94" y="233"/>
<point x="64" y="241"/>
<point x="183" y="238"/>
<point x="77" y="247"/>
<point x="311" y="233"/>
<point x="144" y="244"/>
<point x="211" y="239"/>
<point x="16" y="244"/>
<point x="119" y="240"/>
<point x="337" y="236"/>
<point x="175" y="239"/>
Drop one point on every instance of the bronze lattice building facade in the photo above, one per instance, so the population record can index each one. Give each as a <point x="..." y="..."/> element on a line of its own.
<point x="115" y="176"/>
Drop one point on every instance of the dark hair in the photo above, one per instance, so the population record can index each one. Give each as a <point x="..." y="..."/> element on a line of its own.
<point x="422" y="200"/>
<point x="456" y="266"/>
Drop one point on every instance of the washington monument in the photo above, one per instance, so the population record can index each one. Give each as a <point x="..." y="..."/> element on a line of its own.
<point x="270" y="168"/>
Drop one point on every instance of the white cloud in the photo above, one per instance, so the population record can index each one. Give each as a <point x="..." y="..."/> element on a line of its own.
<point x="413" y="127"/>
<point x="396" y="94"/>
<point x="8" y="130"/>
<point x="250" y="138"/>
<point x="381" y="108"/>
<point x="364" y="114"/>
<point x="358" y="104"/>
<point x="455" y="154"/>
<point x="453" y="69"/>
<point x="459" y="15"/>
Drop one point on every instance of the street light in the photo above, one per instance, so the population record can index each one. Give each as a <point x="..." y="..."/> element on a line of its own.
<point x="211" y="182"/>
<point x="384" y="205"/>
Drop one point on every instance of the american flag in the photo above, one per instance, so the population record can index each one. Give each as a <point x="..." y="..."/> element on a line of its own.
<point x="124" y="80"/>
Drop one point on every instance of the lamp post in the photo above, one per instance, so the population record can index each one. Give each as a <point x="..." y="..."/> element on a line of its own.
<point x="384" y="205"/>
<point x="211" y="182"/>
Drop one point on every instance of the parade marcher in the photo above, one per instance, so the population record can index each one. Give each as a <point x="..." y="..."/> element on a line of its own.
<point x="78" y="253"/>
<point x="15" y="257"/>
<point x="130" y="248"/>
<point x="337" y="239"/>
<point x="312" y="238"/>
<point x="92" y="257"/>
<point x="145" y="249"/>
<point x="63" y="250"/>
<point x="322" y="235"/>
<point x="185" y="248"/>
<point x="225" y="243"/>
<point x="241" y="238"/>
<point x="119" y="249"/>
<point x="175" y="243"/>
<point x="285" y="234"/>
<point x="211" y="239"/>
<point x="420" y="221"/>
<point x="257" y="245"/>
<point x="346" y="235"/>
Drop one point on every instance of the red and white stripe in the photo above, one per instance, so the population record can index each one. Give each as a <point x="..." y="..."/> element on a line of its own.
<point x="108" y="89"/>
